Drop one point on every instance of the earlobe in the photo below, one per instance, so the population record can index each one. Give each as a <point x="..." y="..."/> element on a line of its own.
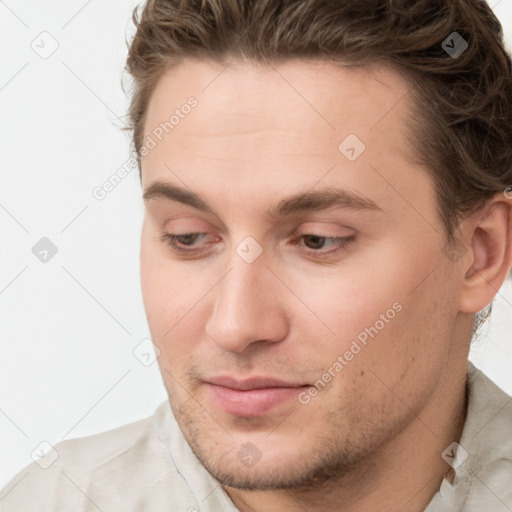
<point x="491" y="248"/>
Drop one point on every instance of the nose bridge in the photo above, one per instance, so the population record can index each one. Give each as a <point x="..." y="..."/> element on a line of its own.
<point x="242" y="289"/>
<point x="245" y="306"/>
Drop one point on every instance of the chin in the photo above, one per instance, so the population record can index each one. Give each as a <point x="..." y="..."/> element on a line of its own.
<point x="240" y="467"/>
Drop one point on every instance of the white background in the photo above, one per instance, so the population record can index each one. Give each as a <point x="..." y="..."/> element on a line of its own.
<point x="69" y="326"/>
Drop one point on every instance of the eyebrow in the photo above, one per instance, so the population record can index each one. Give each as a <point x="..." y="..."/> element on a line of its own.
<point x="305" y="201"/>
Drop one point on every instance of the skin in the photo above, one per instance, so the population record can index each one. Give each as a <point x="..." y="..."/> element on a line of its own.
<point x="372" y="438"/>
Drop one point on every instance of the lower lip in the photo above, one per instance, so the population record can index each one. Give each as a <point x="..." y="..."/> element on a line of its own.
<point x="254" y="402"/>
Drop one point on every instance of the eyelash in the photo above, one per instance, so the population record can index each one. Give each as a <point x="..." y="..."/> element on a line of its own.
<point x="170" y="239"/>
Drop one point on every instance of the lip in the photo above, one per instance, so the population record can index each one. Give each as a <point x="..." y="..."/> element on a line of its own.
<point x="251" y="397"/>
<point x="251" y="383"/>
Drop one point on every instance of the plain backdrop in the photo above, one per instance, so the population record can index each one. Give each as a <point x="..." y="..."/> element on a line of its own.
<point x="71" y="325"/>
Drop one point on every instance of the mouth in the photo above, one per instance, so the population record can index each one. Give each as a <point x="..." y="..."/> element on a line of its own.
<point x="252" y="397"/>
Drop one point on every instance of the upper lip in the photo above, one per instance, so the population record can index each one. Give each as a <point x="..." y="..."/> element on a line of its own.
<point x="251" y="383"/>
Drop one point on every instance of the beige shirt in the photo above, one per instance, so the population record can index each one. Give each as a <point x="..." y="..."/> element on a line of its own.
<point x="148" y="466"/>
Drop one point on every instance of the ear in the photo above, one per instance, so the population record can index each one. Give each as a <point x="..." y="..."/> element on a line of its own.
<point x="489" y="258"/>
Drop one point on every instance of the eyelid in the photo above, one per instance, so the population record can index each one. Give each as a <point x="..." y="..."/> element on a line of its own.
<point x="312" y="227"/>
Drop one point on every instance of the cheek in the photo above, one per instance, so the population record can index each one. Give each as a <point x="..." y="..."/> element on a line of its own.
<point x="378" y="317"/>
<point x="410" y="352"/>
<point x="166" y="290"/>
<point x="341" y="303"/>
<point x="176" y="298"/>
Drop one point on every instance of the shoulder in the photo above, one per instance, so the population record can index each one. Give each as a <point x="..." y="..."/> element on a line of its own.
<point x="487" y="444"/>
<point x="112" y="468"/>
<point x="489" y="416"/>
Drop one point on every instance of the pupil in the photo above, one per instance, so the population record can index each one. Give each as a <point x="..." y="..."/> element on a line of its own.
<point x="316" y="240"/>
<point x="188" y="237"/>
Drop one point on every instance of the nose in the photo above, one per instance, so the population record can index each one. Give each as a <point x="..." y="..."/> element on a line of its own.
<point x="247" y="307"/>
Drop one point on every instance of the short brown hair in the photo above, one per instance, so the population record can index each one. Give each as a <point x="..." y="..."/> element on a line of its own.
<point x="462" y="126"/>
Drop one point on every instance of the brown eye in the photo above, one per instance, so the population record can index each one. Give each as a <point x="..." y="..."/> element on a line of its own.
<point x="177" y="241"/>
<point x="316" y="242"/>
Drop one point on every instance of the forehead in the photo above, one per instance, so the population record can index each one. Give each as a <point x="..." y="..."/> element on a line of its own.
<point x="314" y="102"/>
<point x="279" y="129"/>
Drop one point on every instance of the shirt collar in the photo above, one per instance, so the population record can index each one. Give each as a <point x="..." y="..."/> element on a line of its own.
<point x="485" y="439"/>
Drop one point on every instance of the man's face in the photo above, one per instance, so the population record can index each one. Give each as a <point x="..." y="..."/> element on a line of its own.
<point x="264" y="307"/>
